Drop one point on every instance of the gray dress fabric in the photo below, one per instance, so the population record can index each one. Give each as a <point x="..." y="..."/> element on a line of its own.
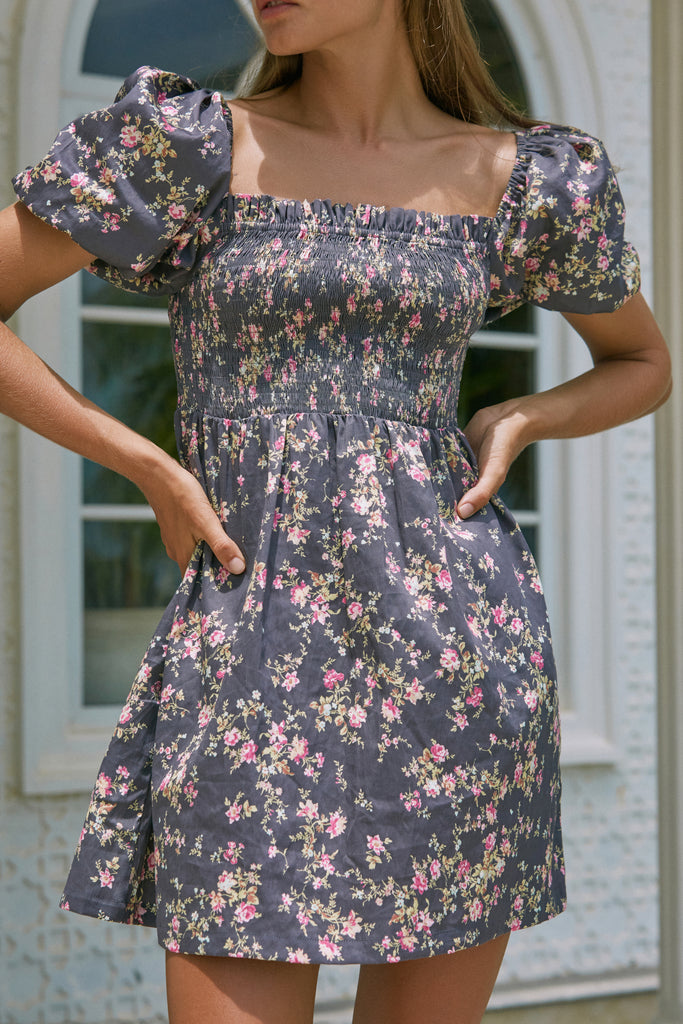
<point x="350" y="752"/>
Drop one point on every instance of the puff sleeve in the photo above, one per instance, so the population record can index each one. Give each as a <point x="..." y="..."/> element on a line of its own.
<point x="559" y="240"/>
<point x="135" y="182"/>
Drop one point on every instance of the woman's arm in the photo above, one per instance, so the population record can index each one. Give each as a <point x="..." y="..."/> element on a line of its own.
<point x="34" y="256"/>
<point x="631" y="376"/>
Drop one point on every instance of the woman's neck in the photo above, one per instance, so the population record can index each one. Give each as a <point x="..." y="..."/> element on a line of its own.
<point x="363" y="91"/>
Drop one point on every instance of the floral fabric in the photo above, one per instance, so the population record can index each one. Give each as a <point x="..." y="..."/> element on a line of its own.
<point x="349" y="753"/>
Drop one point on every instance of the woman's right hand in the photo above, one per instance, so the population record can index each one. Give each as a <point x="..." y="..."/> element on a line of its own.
<point x="185" y="517"/>
<point x="34" y="256"/>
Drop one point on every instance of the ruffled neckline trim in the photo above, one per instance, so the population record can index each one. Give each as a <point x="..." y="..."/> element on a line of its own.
<point x="397" y="221"/>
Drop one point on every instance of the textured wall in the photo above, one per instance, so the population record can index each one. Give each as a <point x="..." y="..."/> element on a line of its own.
<point x="55" y="967"/>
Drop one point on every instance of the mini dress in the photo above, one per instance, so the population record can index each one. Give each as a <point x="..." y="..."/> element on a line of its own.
<point x="349" y="753"/>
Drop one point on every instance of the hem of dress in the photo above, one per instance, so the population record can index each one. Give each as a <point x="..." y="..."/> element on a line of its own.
<point x="117" y="914"/>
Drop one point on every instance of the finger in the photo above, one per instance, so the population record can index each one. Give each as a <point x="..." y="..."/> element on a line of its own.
<point x="479" y="495"/>
<point x="223" y="547"/>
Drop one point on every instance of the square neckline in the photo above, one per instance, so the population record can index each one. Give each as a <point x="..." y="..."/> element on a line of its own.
<point x="361" y="212"/>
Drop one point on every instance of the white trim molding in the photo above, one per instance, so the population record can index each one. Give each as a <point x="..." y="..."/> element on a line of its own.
<point x="667" y="112"/>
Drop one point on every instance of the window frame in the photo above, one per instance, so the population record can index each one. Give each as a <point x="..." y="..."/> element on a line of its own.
<point x="63" y="740"/>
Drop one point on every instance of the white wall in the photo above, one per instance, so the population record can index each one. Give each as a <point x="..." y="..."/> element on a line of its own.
<point x="56" y="967"/>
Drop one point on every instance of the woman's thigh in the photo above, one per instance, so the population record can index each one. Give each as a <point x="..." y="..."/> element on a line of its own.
<point x="231" y="990"/>
<point x="450" y="989"/>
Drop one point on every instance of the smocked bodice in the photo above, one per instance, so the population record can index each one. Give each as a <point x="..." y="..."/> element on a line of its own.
<point x="300" y="306"/>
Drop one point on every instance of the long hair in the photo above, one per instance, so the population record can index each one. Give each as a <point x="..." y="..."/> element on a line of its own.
<point x="454" y="75"/>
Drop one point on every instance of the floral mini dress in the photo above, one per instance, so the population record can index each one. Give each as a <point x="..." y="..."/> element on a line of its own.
<point x="349" y="753"/>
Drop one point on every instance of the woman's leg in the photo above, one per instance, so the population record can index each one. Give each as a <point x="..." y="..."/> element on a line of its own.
<point x="230" y="990"/>
<point x="450" y="989"/>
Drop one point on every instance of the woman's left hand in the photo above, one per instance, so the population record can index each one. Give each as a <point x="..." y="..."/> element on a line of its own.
<point x="497" y="434"/>
<point x="631" y="376"/>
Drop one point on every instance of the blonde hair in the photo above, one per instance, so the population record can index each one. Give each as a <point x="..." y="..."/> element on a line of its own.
<point x="454" y="75"/>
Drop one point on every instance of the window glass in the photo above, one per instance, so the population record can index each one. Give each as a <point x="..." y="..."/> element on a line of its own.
<point x="128" y="369"/>
<point x="208" y="42"/>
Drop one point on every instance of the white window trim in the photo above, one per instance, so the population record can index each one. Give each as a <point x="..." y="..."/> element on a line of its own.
<point x="63" y="741"/>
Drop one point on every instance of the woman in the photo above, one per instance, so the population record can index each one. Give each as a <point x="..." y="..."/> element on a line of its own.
<point x="342" y="743"/>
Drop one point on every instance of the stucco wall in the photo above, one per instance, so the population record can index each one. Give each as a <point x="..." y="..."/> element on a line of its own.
<point x="55" y="967"/>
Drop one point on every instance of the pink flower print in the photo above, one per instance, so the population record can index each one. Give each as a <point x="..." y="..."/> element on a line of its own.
<point x="298" y="749"/>
<point x="490" y="841"/>
<point x="248" y="752"/>
<point x="192" y="647"/>
<point x="415" y="320"/>
<point x="422" y="922"/>
<point x="389" y="710"/>
<point x="354" y="610"/>
<point x="406" y="941"/>
<point x="204" y="716"/>
<point x="348" y="537"/>
<point x="103" y="786"/>
<point x="357" y="715"/>
<point x="290" y="681"/>
<point x="130" y="136"/>
<point x="234" y="812"/>
<point x="326" y="864"/>
<point x="435" y="869"/>
<point x="49" y="172"/>
<point x="352" y="925"/>
<point x="438" y="752"/>
<point x="475" y="697"/>
<point x="226" y="881"/>
<point x="531" y="700"/>
<point x="475" y="629"/>
<point x="450" y="659"/>
<point x="337" y="824"/>
<point x="277" y="736"/>
<point x="295" y="535"/>
<point x="586" y="225"/>
<point x="175" y="924"/>
<point x="245" y="912"/>
<point x="307" y="809"/>
<point x="432" y="787"/>
<point x="460" y="720"/>
<point x="499" y="615"/>
<point x="232" y="737"/>
<point x="177" y="211"/>
<point x="79" y="180"/>
<point x="420" y="882"/>
<point x="299" y="595"/>
<point x="297" y="956"/>
<point x="375" y="845"/>
<point x="491" y="813"/>
<point x="329" y="949"/>
<point x="516" y="626"/>
<point x="321" y="611"/>
<point x="415" y="691"/>
<point x="412" y="584"/>
<point x="444" y="580"/>
<point x="106" y="878"/>
<point x="475" y="909"/>
<point x="331" y="677"/>
<point x="537" y="660"/>
<point x="125" y="715"/>
<point x="367" y="464"/>
<point x="417" y="474"/>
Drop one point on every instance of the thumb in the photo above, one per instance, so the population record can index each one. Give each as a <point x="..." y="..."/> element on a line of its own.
<point x="223" y="547"/>
<point x="474" y="500"/>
